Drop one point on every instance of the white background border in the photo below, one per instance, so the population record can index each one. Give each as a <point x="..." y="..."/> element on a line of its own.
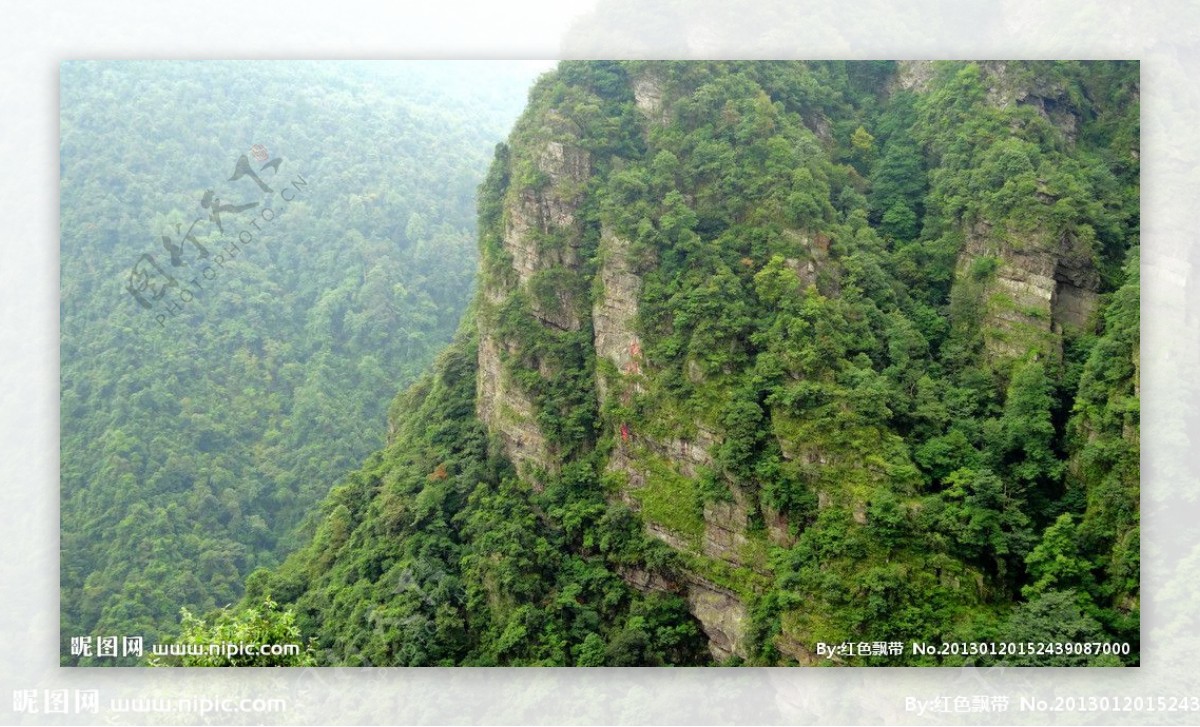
<point x="36" y="37"/>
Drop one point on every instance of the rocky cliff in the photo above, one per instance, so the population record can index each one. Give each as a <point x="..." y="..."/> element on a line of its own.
<point x="531" y="272"/>
<point x="573" y="271"/>
<point x="769" y="355"/>
<point x="538" y="269"/>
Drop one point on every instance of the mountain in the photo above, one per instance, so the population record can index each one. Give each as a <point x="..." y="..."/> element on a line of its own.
<point x="767" y="357"/>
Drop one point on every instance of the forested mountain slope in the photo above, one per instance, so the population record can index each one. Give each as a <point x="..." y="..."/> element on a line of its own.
<point x="764" y="355"/>
<point x="332" y="257"/>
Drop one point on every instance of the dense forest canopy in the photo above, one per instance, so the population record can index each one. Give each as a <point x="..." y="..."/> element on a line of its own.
<point x="767" y="355"/>
<point x="203" y="418"/>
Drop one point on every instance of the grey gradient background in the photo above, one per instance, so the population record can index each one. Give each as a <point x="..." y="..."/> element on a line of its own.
<point x="1163" y="35"/>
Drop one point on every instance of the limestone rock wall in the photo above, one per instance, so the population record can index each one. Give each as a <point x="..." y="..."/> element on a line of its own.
<point x="614" y="312"/>
<point x="1039" y="287"/>
<point x="541" y="239"/>
<point x="722" y="616"/>
<point x="507" y="410"/>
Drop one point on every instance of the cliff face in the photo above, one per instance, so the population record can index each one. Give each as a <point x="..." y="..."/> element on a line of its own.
<point x="1036" y="288"/>
<point x="564" y="274"/>
<point x="614" y="313"/>
<point x="657" y="458"/>
<point x="1007" y="85"/>
<point x="764" y="356"/>
<point x="541" y="269"/>
<point x="1040" y="280"/>
<point x="541" y="236"/>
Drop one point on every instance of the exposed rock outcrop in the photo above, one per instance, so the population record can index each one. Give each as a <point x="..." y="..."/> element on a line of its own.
<point x="1035" y="290"/>
<point x="720" y="610"/>
<point x="1050" y="98"/>
<point x="725" y="525"/>
<point x="721" y="614"/>
<point x="508" y="411"/>
<point x="541" y="239"/>
<point x="688" y="454"/>
<point x="1005" y="88"/>
<point x="913" y="75"/>
<point x="668" y="536"/>
<point x="648" y="95"/>
<point x="542" y="233"/>
<point x="1025" y="288"/>
<point x="779" y="529"/>
<point x="648" y="581"/>
<point x="614" y="313"/>
<point x="795" y="649"/>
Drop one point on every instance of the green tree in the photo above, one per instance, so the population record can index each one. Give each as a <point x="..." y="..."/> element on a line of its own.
<point x="256" y="628"/>
<point x="899" y="222"/>
<point x="1026" y="446"/>
<point x="1056" y="563"/>
<point x="1053" y="617"/>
